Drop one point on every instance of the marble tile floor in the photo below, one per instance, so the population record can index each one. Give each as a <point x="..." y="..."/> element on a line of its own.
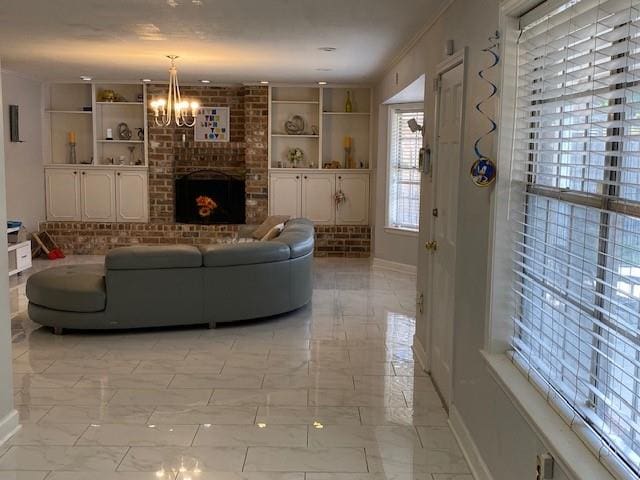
<point x="329" y="392"/>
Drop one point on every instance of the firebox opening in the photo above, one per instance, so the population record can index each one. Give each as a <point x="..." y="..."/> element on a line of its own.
<point x="210" y="197"/>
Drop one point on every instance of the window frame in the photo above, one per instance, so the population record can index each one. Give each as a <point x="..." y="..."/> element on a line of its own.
<point x="576" y="458"/>
<point x="392" y="109"/>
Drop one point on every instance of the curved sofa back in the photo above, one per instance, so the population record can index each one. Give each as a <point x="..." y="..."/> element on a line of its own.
<point x="182" y="284"/>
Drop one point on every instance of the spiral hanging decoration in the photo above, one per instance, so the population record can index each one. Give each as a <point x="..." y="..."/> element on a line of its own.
<point x="483" y="170"/>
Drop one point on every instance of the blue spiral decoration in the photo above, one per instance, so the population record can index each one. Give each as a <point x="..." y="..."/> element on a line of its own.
<point x="496" y="59"/>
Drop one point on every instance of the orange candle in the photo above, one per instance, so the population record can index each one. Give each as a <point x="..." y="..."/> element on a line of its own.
<point x="347" y="142"/>
<point x="72" y="137"/>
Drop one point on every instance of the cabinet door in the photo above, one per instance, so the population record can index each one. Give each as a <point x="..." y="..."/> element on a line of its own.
<point x="132" y="196"/>
<point x="98" y="192"/>
<point x="318" y="202"/>
<point x="62" y="191"/>
<point x="354" y="210"/>
<point x="285" y="194"/>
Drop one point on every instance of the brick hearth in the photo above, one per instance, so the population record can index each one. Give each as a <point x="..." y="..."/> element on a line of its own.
<point x="246" y="154"/>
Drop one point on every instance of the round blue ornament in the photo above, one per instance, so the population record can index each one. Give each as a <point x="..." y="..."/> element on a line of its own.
<point x="483" y="172"/>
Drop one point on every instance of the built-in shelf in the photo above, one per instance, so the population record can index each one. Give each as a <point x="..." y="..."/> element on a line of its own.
<point x="13" y="230"/>
<point x="296" y="102"/>
<point x="346" y="113"/>
<point x="293" y="136"/>
<point x="119" y="103"/>
<point x="120" y="141"/>
<point x="72" y="112"/>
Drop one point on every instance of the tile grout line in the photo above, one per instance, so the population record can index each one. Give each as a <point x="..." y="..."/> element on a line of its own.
<point x="122" y="459"/>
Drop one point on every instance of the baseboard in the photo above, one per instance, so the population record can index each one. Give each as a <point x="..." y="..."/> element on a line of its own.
<point x="395" y="266"/>
<point x="421" y="353"/>
<point x="479" y="469"/>
<point x="9" y="425"/>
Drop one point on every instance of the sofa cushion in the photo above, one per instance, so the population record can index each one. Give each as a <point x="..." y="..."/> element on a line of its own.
<point x="298" y="236"/>
<point x="224" y="255"/>
<point x="147" y="257"/>
<point x="71" y="288"/>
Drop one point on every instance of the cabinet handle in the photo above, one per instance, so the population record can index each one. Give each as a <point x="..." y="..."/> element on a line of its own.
<point x="75" y="173"/>
<point x="305" y="177"/>
<point x="297" y="176"/>
<point x="118" y="173"/>
<point x="339" y="177"/>
<point x="84" y="173"/>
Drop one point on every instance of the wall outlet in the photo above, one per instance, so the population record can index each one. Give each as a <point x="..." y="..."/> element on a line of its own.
<point x="544" y="467"/>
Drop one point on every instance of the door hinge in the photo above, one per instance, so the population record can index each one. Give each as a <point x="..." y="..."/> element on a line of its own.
<point x="420" y="303"/>
<point x="434" y="212"/>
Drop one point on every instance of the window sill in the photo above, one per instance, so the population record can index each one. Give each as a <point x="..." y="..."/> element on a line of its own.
<point x="401" y="231"/>
<point x="570" y="453"/>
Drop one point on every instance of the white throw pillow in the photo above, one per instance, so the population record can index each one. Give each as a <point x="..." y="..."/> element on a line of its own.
<point x="273" y="232"/>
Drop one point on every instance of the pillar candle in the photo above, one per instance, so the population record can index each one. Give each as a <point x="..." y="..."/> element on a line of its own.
<point x="347" y="142"/>
<point x="72" y="137"/>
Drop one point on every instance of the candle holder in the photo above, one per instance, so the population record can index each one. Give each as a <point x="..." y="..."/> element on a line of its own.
<point x="72" y="153"/>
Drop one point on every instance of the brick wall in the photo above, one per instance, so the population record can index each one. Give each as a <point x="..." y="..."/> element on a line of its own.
<point x="98" y="238"/>
<point x="244" y="155"/>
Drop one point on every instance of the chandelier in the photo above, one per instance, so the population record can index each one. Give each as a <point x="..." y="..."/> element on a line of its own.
<point x="173" y="107"/>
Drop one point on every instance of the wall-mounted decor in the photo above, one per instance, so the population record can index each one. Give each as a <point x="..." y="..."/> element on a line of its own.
<point x="212" y="124"/>
<point x="14" y="124"/>
<point x="483" y="171"/>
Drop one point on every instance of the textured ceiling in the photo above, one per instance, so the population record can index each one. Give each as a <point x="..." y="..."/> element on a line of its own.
<point x="221" y="40"/>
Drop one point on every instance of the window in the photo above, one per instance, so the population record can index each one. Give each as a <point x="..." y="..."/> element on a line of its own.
<point x="403" y="210"/>
<point x="577" y="258"/>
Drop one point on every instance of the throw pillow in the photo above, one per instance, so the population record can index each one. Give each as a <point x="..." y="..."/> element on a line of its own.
<point x="273" y="233"/>
<point x="268" y="224"/>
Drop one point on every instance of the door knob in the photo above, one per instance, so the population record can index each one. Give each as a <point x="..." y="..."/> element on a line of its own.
<point x="432" y="246"/>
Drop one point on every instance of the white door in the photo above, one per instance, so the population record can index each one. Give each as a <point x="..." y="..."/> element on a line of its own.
<point x="285" y="194"/>
<point x="354" y="209"/>
<point x="62" y="192"/>
<point x="132" y="196"/>
<point x="444" y="216"/>
<point x="318" y="197"/>
<point x="98" y="192"/>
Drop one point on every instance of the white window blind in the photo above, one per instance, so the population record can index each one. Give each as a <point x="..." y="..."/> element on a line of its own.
<point x="404" y="173"/>
<point x="577" y="254"/>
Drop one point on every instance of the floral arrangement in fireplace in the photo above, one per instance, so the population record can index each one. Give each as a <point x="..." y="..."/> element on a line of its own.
<point x="206" y="205"/>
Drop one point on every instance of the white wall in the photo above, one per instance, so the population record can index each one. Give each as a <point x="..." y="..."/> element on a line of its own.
<point x="8" y="415"/>
<point x="24" y="172"/>
<point x="505" y="441"/>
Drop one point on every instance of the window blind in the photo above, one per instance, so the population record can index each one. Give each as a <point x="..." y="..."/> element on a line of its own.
<point x="577" y="254"/>
<point x="404" y="173"/>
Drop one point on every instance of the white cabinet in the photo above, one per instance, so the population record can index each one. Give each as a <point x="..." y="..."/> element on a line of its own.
<point x="313" y="195"/>
<point x="132" y="197"/>
<point x="318" y="197"/>
<point x="354" y="208"/>
<point x="98" y="195"/>
<point x="62" y="187"/>
<point x="285" y="194"/>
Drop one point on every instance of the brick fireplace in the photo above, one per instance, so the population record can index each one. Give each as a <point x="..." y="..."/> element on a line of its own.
<point x="173" y="153"/>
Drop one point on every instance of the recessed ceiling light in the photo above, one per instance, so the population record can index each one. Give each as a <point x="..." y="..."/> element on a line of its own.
<point x="264" y="82"/>
<point x="324" y="69"/>
<point x="205" y="81"/>
<point x="322" y="83"/>
<point x="327" y="49"/>
<point x="146" y="80"/>
<point x="85" y="78"/>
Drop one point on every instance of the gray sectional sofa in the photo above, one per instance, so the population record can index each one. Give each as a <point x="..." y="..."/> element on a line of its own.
<point x="154" y="286"/>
